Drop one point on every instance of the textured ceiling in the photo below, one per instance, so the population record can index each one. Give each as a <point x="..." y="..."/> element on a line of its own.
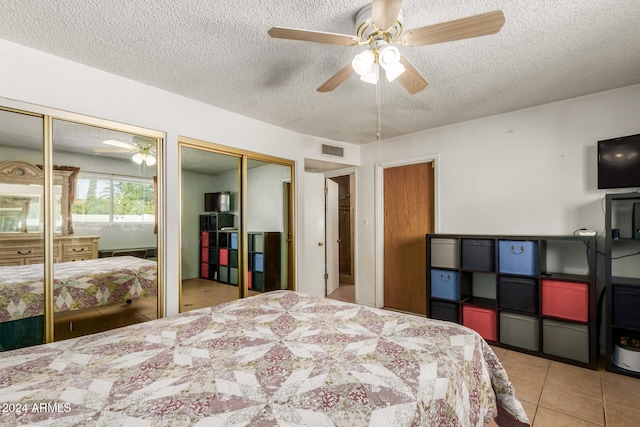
<point x="220" y="53"/>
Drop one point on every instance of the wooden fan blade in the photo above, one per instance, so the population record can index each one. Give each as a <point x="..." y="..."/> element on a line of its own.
<point x="337" y="79"/>
<point x="411" y="79"/>
<point x="384" y="13"/>
<point x="312" y="36"/>
<point x="464" y="28"/>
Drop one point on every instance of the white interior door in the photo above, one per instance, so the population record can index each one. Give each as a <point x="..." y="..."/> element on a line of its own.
<point x="314" y="235"/>
<point x="332" y="237"/>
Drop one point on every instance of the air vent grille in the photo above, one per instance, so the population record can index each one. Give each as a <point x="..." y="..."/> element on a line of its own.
<point x="332" y="150"/>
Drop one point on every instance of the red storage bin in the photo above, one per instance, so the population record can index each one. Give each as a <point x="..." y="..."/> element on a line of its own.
<point x="204" y="238"/>
<point x="482" y="320"/>
<point x="204" y="270"/>
<point x="224" y="256"/>
<point x="567" y="300"/>
<point x="250" y="279"/>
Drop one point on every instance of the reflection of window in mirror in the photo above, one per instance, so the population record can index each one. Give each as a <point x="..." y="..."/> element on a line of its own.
<point x="112" y="199"/>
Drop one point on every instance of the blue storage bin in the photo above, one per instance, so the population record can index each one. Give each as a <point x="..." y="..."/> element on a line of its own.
<point x="445" y="284"/>
<point x="234" y="240"/>
<point x="518" y="257"/>
<point x="258" y="262"/>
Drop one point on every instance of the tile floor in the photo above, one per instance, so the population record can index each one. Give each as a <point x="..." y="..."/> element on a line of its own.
<point x="557" y="394"/>
<point x="552" y="393"/>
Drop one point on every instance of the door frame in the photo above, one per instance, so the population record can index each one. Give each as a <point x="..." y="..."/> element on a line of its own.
<point x="354" y="260"/>
<point x="379" y="213"/>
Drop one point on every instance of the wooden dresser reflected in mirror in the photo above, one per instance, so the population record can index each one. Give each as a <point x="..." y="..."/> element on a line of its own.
<point x="22" y="217"/>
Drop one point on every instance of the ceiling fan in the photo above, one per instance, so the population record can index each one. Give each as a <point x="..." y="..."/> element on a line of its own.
<point x="141" y="153"/>
<point x="379" y="26"/>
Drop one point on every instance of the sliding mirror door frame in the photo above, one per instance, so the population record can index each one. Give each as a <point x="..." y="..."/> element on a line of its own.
<point x="243" y="244"/>
<point x="210" y="225"/>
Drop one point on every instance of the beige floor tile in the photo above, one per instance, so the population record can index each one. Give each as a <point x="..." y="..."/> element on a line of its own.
<point x="534" y="374"/>
<point x="499" y="351"/>
<point x="624" y="397"/>
<point x="574" y="405"/>
<point x="575" y="370"/>
<point x="527" y="359"/>
<point x="344" y="293"/>
<point x="618" y="416"/>
<point x="621" y="381"/>
<point x="530" y="409"/>
<point x="574" y="384"/>
<point x="550" y="418"/>
<point x="526" y="391"/>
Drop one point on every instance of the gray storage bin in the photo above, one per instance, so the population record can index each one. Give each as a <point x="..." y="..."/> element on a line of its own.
<point x="224" y="274"/>
<point x="563" y="339"/>
<point x="519" y="331"/>
<point x="445" y="252"/>
<point x="258" y="242"/>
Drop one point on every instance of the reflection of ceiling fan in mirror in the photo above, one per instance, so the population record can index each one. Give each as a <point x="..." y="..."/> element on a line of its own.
<point x="378" y="26"/>
<point x="141" y="153"/>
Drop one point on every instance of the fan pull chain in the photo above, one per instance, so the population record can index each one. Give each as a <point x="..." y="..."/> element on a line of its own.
<point x="379" y="131"/>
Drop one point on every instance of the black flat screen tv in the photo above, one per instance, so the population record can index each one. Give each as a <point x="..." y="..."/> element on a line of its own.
<point x="217" y="202"/>
<point x="619" y="162"/>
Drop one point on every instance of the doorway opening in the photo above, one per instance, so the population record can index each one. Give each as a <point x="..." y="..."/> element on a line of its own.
<point x="346" y="208"/>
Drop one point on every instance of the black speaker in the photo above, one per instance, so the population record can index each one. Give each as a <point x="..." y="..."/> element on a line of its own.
<point x="636" y="221"/>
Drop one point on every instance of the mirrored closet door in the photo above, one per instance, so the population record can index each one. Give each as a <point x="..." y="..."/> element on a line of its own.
<point x="210" y="209"/>
<point x="79" y="226"/>
<point x="22" y="249"/>
<point x="269" y="237"/>
<point x="237" y="231"/>
<point x="106" y="241"/>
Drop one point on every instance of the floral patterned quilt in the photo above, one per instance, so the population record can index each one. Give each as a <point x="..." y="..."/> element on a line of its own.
<point x="279" y="358"/>
<point x="77" y="284"/>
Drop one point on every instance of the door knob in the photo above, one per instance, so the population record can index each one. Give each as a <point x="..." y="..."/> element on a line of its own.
<point x="320" y="243"/>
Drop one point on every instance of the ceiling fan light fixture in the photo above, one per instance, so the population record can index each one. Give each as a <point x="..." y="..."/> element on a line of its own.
<point x="150" y="160"/>
<point x="147" y="158"/>
<point x="392" y="73"/>
<point x="388" y="56"/>
<point x="362" y="63"/>
<point x="372" y="75"/>
<point x="138" y="158"/>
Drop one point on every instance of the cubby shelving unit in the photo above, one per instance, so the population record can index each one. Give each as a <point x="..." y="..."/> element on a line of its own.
<point x="622" y="281"/>
<point x="264" y="260"/>
<point x="533" y="294"/>
<point x="218" y="248"/>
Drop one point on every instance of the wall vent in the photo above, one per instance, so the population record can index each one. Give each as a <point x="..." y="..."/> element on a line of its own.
<point x="332" y="150"/>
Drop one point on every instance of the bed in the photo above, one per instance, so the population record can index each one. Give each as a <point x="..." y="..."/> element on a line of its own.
<point x="76" y="285"/>
<point x="278" y="358"/>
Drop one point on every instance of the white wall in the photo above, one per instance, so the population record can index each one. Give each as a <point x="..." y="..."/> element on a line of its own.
<point x="43" y="83"/>
<point x="265" y="197"/>
<point x="530" y="171"/>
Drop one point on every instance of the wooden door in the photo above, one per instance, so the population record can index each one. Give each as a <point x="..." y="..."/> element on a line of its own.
<point x="408" y="216"/>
